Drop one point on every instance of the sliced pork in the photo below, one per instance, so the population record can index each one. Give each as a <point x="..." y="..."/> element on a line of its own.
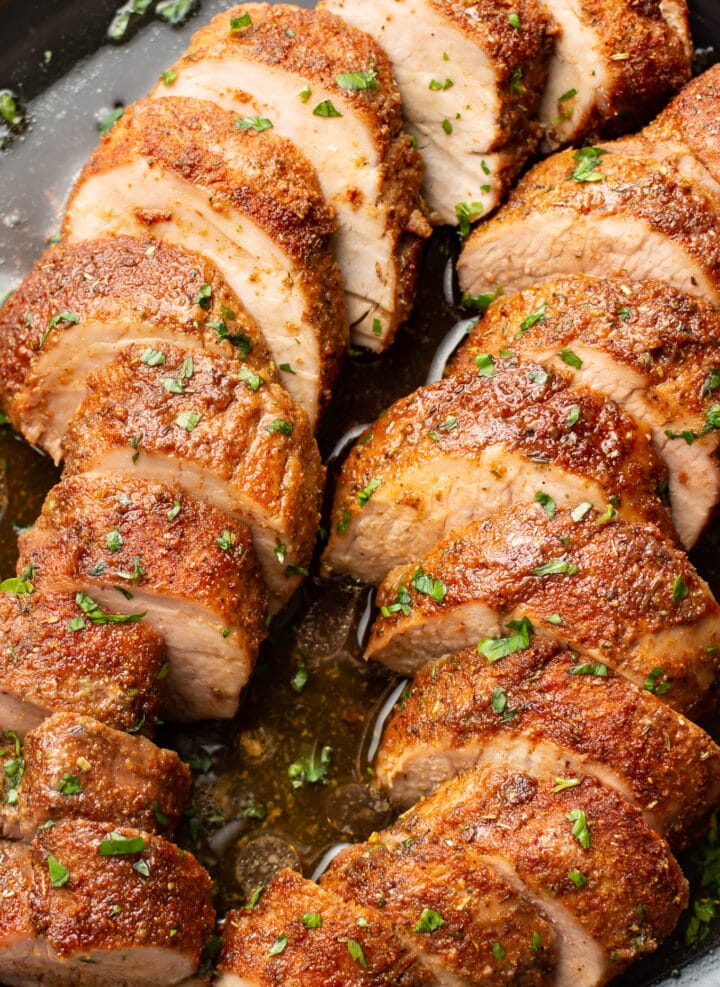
<point x="580" y="854"/>
<point x="597" y="211"/>
<point x="615" y="63"/>
<point x="220" y="432"/>
<point x="461" y="449"/>
<point x="450" y="915"/>
<point x="618" y="594"/>
<point x="654" y="350"/>
<point x="543" y="708"/>
<point x="132" y="546"/>
<point x="90" y="905"/>
<point x="82" y="301"/>
<point x="54" y="659"/>
<point x="470" y="77"/>
<point x="329" y="88"/>
<point x="181" y="170"/>
<point x="74" y="767"/>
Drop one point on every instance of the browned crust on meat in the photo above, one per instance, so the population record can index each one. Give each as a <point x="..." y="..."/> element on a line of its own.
<point x="114" y="280"/>
<point x="664" y="335"/>
<point x="671" y="766"/>
<point x="623" y="590"/>
<point x="692" y="119"/>
<point x="282" y="473"/>
<point x="315" y="957"/>
<point x="479" y="910"/>
<point x="651" y="193"/>
<point x="123" y="778"/>
<point x="179" y="556"/>
<point x="106" y="671"/>
<point x="520" y="818"/>
<point x="170" y="908"/>
<point x="524" y="409"/>
<point x="15" y="882"/>
<point x="260" y="174"/>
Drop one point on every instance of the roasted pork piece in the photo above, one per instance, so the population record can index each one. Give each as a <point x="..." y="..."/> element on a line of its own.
<point x="329" y="88"/>
<point x="544" y="709"/>
<point x="579" y="853"/>
<point x="182" y="171"/>
<point x="220" y="432"/>
<point x="74" y="767"/>
<point x="55" y="658"/>
<point x="617" y="594"/>
<point x="654" y="350"/>
<point x="614" y="64"/>
<point x="461" y="449"/>
<point x="92" y="905"/>
<point x="470" y="78"/>
<point x="600" y="212"/>
<point x="132" y="546"/>
<point x="83" y="301"/>
<point x="452" y="917"/>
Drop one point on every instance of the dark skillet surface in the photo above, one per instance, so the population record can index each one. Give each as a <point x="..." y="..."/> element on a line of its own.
<point x="64" y="98"/>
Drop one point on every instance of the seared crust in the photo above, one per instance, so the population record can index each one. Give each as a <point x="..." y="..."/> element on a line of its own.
<point x="108" y="671"/>
<point x="260" y="174"/>
<point x="628" y="589"/>
<point x="313" y="957"/>
<point x="119" y="777"/>
<point x="276" y="476"/>
<point x="516" y="817"/>
<point x="521" y="409"/>
<point x="478" y="910"/>
<point x="631" y="188"/>
<point x="604" y="726"/>
<point x="178" y="557"/>
<point x="107" y="904"/>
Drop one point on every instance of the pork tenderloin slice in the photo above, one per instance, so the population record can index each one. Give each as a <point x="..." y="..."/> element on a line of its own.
<point x="133" y="911"/>
<point x="219" y="432"/>
<point x="615" y="63"/>
<point x="298" y="933"/>
<point x="536" y="837"/>
<point x="476" y="909"/>
<point x="648" y="611"/>
<point x="533" y="709"/>
<point x="77" y="768"/>
<point x="182" y="171"/>
<point x="470" y="83"/>
<point x="633" y="218"/>
<point x="112" y="671"/>
<point x="135" y="546"/>
<point x="461" y="449"/>
<point x="652" y="349"/>
<point x="82" y="301"/>
<point x="284" y="66"/>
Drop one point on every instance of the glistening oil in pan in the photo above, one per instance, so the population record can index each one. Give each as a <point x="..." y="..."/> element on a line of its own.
<point x="311" y="709"/>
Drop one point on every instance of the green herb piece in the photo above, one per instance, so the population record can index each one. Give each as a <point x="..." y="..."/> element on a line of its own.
<point x="366" y="493"/>
<point x="142" y="868"/>
<point x="123" y="16"/>
<point x="467" y="213"/>
<point x="573" y="416"/>
<point x="305" y="94"/>
<point x="571" y="358"/>
<point x="498" y="951"/>
<point x="480" y="302"/>
<point x="174" y="510"/>
<point x="356" y="952"/>
<point x="326" y="109"/>
<point x="204" y="296"/>
<point x="555" y="567"/>
<point x="531" y="320"/>
<point x="59" y="875"/>
<point x="568" y="95"/>
<point x="14" y="767"/>
<point x="253" y="811"/>
<point x="169" y="77"/>
<point x="68" y="318"/>
<point x="9" y="110"/>
<point x="19" y="587"/>
<point x="402" y="603"/>
<point x="310" y="768"/>
<point x="429" y="921"/>
<point x="75" y="624"/>
<point x="547" y="503"/>
<point x="535" y="942"/>
<point x="312" y="920"/>
<point x="134" y="576"/>
<point x="680" y="590"/>
<point x="226" y="540"/>
<point x="117" y="845"/>
<point x="300" y="678"/>
<point x="578" y="879"/>
<point x="70" y="785"/>
<point x="514" y="21"/>
<point x="238" y="23"/>
<point x="652" y="683"/>
<point x="555" y="619"/>
<point x="587" y="668"/>
<point x="278" y="425"/>
<point x="296" y="570"/>
<point x="423" y="582"/>
<point x="495" y="648"/>
<point x="115" y="540"/>
<point x="436" y="86"/>
<point x="580" y="829"/>
<point x="162" y="819"/>
<point x="280" y="551"/>
<point x="254" y="381"/>
<point x="608" y="515"/>
<point x="484" y="363"/>
<point x="110" y="119"/>
<point x="153" y="358"/>
<point x="175" y="12"/>
<point x="94" y="612"/>
<point x="624" y="314"/>
<point x="516" y="83"/>
<point x="254" y="123"/>
<point x="188" y="420"/>
<point x="447" y="126"/>
<point x="562" y="784"/>
<point x="377" y="327"/>
<point x="357" y="80"/>
<point x="587" y="160"/>
<point x="579" y="512"/>
<point x="254" y="898"/>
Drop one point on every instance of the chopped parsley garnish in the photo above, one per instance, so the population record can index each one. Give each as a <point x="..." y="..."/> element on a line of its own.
<point x="226" y="540"/>
<point x="254" y="381"/>
<point x="189" y="420"/>
<point x="578" y="879"/>
<point x="310" y="768"/>
<point x="436" y="86"/>
<point x="562" y="784"/>
<point x="547" y="503"/>
<point x="326" y="109"/>
<point x="579" y="512"/>
<point x="175" y="12"/>
<point x="516" y="83"/>
<point x="357" y="80"/>
<point x="278" y="425"/>
<point x="70" y="785"/>
<point x="204" y="296"/>
<point x="588" y="159"/>
<point x="499" y="703"/>
<point x="116" y="845"/>
<point x="169" y="77"/>
<point x="447" y="126"/>
<point x="75" y="624"/>
<point x="254" y="898"/>
<point x="467" y="213"/>
<point x="344" y="521"/>
<point x="254" y="123"/>
<point x="531" y="320"/>
<point x="356" y="952"/>
<point x="123" y="16"/>
<point x="571" y="358"/>
<point x="19" y="587"/>
<point x="110" y="119"/>
<point x="96" y="615"/>
<point x="366" y="493"/>
<point x="68" y="318"/>
<point x="279" y="945"/>
<point x="624" y="313"/>
<point x="587" y="668"/>
<point x="14" y="767"/>
<point x="377" y="327"/>
<point x="555" y="567"/>
<point x="9" y="110"/>
<point x="305" y="94"/>
<point x="402" y="603"/>
<point x="486" y="366"/>
<point x="59" y="875"/>
<point x="652" y="683"/>
<point x="680" y="590"/>
<point x="429" y="921"/>
<point x="174" y="510"/>
<point x="423" y="582"/>
<point x="568" y="95"/>
<point x="238" y="23"/>
<point x="162" y="819"/>
<point x="481" y="302"/>
<point x="514" y="21"/>
<point x="153" y="358"/>
<point x="573" y="416"/>
<point x="495" y="648"/>
<point x="498" y="951"/>
<point x="300" y="678"/>
<point x="114" y="540"/>
<point x="311" y="920"/>
<point x="580" y="830"/>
